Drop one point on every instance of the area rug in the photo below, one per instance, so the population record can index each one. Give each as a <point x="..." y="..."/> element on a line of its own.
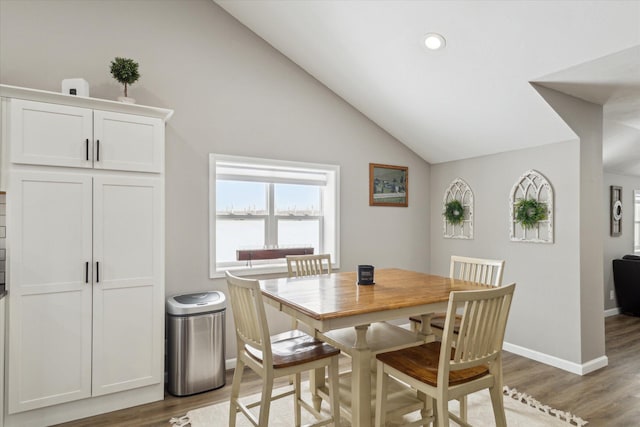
<point x="521" y="410"/>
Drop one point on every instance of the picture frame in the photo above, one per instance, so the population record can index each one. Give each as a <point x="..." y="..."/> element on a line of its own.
<point x="388" y="185"/>
<point x="616" y="210"/>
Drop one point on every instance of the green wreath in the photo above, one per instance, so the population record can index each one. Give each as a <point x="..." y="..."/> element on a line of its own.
<point x="529" y="212"/>
<point x="454" y="212"/>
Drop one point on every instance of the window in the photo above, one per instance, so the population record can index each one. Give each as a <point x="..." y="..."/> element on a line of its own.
<point x="260" y="209"/>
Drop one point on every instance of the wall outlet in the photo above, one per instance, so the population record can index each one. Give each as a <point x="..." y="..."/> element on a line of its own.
<point x="612" y="295"/>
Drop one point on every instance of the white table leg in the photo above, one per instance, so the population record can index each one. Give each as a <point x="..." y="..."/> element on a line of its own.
<point x="361" y="380"/>
<point x="316" y="381"/>
<point x="425" y="331"/>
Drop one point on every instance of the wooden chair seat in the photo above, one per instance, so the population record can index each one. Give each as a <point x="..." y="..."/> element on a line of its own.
<point x="437" y="322"/>
<point x="291" y="349"/>
<point x="421" y="363"/>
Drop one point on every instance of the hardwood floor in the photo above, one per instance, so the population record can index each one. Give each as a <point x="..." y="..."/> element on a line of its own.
<point x="608" y="397"/>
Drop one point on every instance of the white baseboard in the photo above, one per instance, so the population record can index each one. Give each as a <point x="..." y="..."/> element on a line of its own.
<point x="612" y="312"/>
<point x="594" y="365"/>
<point x="574" y="368"/>
<point x="83" y="408"/>
<point x="230" y="364"/>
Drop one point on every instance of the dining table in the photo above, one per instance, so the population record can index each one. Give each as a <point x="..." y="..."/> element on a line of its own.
<point x="336" y="301"/>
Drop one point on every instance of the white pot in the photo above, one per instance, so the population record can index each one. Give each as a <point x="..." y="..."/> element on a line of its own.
<point x="126" y="100"/>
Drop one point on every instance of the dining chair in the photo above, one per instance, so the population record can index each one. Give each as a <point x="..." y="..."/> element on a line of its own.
<point x="485" y="271"/>
<point x="308" y="265"/>
<point x="275" y="356"/>
<point x="480" y="270"/>
<point x="381" y="336"/>
<point x="444" y="372"/>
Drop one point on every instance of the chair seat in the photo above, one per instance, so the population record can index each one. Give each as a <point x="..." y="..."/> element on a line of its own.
<point x="437" y="321"/>
<point x="421" y="363"/>
<point x="294" y="348"/>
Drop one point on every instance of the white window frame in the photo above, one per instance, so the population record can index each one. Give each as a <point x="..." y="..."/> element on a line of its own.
<point x="272" y="171"/>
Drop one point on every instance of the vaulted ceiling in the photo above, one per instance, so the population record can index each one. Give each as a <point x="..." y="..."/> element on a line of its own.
<point x="473" y="97"/>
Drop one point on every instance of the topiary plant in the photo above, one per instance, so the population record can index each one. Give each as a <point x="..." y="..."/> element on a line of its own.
<point x="125" y="71"/>
<point x="529" y="212"/>
<point x="454" y="212"/>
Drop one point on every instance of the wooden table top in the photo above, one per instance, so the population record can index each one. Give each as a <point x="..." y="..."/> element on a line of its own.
<point x="337" y="295"/>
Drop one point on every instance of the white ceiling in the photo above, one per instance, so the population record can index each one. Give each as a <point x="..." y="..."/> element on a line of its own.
<point x="474" y="97"/>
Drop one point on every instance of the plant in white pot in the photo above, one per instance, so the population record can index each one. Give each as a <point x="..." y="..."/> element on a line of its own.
<point x="125" y="71"/>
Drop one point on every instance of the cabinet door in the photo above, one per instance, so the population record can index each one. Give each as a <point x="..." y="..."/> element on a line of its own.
<point x="128" y="142"/>
<point x="50" y="291"/>
<point x="128" y="326"/>
<point x="50" y="134"/>
<point x="2" y="310"/>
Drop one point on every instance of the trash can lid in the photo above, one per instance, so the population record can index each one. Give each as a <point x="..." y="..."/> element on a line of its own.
<point x="196" y="303"/>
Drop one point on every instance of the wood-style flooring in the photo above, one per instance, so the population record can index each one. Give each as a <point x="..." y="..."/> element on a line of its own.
<point x="608" y="397"/>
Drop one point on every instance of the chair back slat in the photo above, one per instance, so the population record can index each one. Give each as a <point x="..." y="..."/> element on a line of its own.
<point x="308" y="265"/>
<point x="249" y="315"/>
<point x="486" y="271"/>
<point x="482" y="327"/>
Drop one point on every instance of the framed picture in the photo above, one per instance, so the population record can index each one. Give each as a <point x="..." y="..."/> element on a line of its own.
<point x="388" y="185"/>
<point x="616" y="210"/>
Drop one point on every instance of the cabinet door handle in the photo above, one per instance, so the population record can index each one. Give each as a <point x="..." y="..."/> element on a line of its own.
<point x="97" y="150"/>
<point x="86" y="272"/>
<point x="97" y="272"/>
<point x="87" y="148"/>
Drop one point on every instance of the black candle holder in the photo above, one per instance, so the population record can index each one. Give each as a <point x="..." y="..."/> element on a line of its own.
<point x="365" y="275"/>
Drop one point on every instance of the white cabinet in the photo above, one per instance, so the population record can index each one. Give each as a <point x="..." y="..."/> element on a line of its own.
<point x="2" y="332"/>
<point x="50" y="134"/>
<point x="86" y="274"/>
<point x="50" y="316"/>
<point x="128" y="310"/>
<point x="127" y="143"/>
<point x="85" y="218"/>
<point x="62" y="135"/>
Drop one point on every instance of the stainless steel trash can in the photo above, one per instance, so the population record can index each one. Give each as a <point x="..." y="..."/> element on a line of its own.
<point x="196" y="341"/>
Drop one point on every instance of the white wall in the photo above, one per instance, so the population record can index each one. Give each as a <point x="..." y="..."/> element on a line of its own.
<point x="232" y="94"/>
<point x="617" y="247"/>
<point x="545" y="315"/>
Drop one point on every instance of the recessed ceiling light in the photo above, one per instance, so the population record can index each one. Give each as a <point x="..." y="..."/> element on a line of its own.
<point x="434" y="41"/>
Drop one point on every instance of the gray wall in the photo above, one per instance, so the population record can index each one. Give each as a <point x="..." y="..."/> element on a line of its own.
<point x="586" y="120"/>
<point x="545" y="315"/>
<point x="557" y="314"/>
<point x="232" y="94"/>
<point x="616" y="247"/>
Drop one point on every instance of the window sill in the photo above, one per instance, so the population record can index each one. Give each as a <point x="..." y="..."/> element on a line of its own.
<point x="246" y="271"/>
<point x="258" y="270"/>
<point x="256" y="254"/>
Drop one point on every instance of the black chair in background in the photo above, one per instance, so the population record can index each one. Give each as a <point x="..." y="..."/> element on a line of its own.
<point x="626" y="279"/>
